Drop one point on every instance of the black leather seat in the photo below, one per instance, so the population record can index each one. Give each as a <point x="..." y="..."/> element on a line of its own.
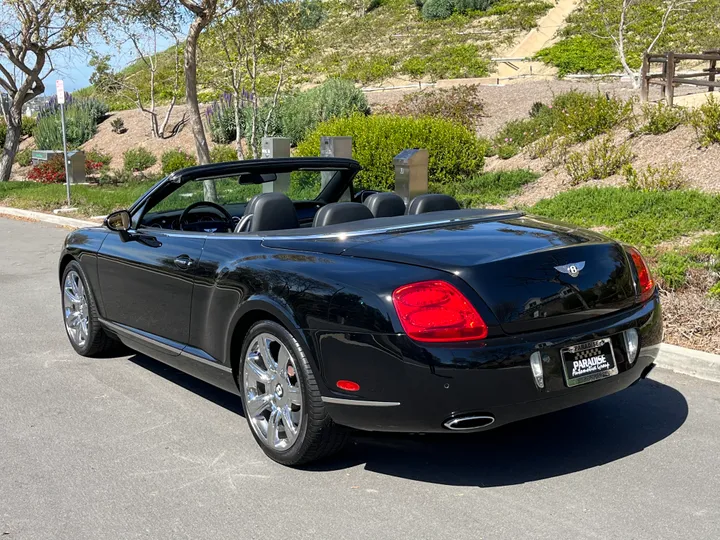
<point x="341" y="212"/>
<point x="385" y="205"/>
<point x="432" y="202"/>
<point x="268" y="212"/>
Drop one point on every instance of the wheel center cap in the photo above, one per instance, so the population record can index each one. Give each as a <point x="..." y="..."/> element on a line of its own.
<point x="278" y="390"/>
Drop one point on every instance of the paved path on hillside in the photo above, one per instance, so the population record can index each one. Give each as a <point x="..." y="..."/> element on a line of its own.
<point x="125" y="448"/>
<point x="537" y="39"/>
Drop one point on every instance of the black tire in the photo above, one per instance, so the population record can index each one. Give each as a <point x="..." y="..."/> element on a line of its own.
<point x="98" y="341"/>
<point x="319" y="436"/>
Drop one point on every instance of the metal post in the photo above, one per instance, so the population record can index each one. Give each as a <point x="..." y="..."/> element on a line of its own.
<point x="339" y="147"/>
<point x="411" y="173"/>
<point x="65" y="153"/>
<point x="276" y="147"/>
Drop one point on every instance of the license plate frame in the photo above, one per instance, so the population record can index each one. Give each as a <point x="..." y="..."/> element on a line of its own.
<point x="590" y="373"/>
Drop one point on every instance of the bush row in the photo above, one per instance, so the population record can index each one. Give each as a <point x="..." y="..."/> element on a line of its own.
<point x="455" y="152"/>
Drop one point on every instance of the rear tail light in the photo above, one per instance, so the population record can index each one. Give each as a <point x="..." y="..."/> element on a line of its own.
<point x="646" y="285"/>
<point x="435" y="311"/>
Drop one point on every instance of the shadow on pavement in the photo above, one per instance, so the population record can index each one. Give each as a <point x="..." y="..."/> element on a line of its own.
<point x="564" y="442"/>
<point x="220" y="397"/>
<point x="560" y="443"/>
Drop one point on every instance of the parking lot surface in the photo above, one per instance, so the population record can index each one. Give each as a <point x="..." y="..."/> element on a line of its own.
<point x="125" y="447"/>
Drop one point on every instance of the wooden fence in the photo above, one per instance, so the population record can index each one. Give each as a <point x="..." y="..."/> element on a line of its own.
<point x="668" y="78"/>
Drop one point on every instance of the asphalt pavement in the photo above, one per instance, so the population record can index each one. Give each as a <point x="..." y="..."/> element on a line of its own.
<point x="124" y="448"/>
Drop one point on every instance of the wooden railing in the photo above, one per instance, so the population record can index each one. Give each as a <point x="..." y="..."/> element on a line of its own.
<point x="668" y="78"/>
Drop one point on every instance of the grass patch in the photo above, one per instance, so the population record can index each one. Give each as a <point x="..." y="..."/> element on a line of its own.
<point x="488" y="188"/>
<point x="643" y="218"/>
<point x="90" y="200"/>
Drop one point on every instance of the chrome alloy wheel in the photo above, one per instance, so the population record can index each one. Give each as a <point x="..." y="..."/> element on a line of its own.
<point x="273" y="394"/>
<point x="76" y="309"/>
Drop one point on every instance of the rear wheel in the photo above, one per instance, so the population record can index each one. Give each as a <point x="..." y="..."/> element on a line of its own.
<point x="281" y="400"/>
<point x="80" y="314"/>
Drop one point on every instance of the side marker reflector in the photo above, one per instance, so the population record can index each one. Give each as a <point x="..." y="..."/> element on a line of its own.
<point x="348" y="386"/>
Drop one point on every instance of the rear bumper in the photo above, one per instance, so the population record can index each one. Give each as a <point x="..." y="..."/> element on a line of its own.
<point x="406" y="387"/>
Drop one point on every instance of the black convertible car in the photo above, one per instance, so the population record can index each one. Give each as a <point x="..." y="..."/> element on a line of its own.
<point x="327" y="308"/>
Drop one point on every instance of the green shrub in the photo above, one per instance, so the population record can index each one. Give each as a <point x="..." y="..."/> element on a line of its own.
<point x="537" y="109"/>
<point x="222" y="153"/>
<point x="507" y="150"/>
<point x="96" y="108"/>
<point x="663" y="178"/>
<point x="488" y="188"/>
<point x="80" y="127"/>
<point x="118" y="125"/>
<point x="660" y="118"/>
<point x="672" y="269"/>
<point x="138" y="159"/>
<point x="442" y="9"/>
<point x="335" y="98"/>
<point x="3" y="130"/>
<point x="460" y="104"/>
<point x="437" y="9"/>
<point x="174" y="160"/>
<point x="706" y="122"/>
<point x="24" y="157"/>
<point x="714" y="291"/>
<point x="454" y="151"/>
<point x="599" y="160"/>
<point x="580" y="54"/>
<point x="581" y="116"/>
<point x="96" y="156"/>
<point x="27" y="126"/>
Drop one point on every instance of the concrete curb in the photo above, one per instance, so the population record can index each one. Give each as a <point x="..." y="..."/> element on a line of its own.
<point x="47" y="218"/>
<point x="698" y="364"/>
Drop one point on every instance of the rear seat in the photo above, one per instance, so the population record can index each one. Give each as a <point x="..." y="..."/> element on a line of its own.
<point x="341" y="212"/>
<point x="385" y="205"/>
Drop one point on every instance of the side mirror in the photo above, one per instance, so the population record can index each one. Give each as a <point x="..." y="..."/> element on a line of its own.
<point x="119" y="221"/>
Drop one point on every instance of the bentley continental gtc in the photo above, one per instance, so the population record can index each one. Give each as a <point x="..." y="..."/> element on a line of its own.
<point x="327" y="308"/>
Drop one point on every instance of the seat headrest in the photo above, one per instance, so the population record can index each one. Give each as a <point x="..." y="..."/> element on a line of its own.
<point x="341" y="212"/>
<point x="272" y="212"/>
<point x="385" y="205"/>
<point x="432" y="202"/>
<point x="250" y="206"/>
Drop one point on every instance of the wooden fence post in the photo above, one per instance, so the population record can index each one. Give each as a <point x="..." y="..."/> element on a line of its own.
<point x="669" y="76"/>
<point x="711" y="71"/>
<point x="644" y="81"/>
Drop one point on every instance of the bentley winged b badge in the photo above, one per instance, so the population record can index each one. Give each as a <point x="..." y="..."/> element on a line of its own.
<point x="573" y="269"/>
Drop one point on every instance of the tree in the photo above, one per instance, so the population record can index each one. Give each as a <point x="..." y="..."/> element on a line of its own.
<point x="140" y="23"/>
<point x="30" y="32"/>
<point x="203" y="12"/>
<point x="618" y="22"/>
<point x="257" y="37"/>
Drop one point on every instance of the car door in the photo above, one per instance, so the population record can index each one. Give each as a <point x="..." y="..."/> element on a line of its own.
<point x="146" y="281"/>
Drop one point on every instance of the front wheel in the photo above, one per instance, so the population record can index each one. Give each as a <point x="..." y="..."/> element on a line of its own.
<point x="281" y="400"/>
<point x="80" y="314"/>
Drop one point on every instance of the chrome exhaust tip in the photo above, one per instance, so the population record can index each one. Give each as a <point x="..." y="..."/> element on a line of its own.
<point x="469" y="422"/>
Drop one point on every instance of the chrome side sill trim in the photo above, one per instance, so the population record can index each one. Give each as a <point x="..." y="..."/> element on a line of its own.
<point x="206" y="361"/>
<point x="357" y="402"/>
<point x="134" y="333"/>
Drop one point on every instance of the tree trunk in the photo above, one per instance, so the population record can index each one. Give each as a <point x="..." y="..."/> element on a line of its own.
<point x="191" y="97"/>
<point x="12" y="143"/>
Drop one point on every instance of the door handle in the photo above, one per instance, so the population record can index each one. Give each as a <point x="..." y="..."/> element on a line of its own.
<point x="183" y="262"/>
